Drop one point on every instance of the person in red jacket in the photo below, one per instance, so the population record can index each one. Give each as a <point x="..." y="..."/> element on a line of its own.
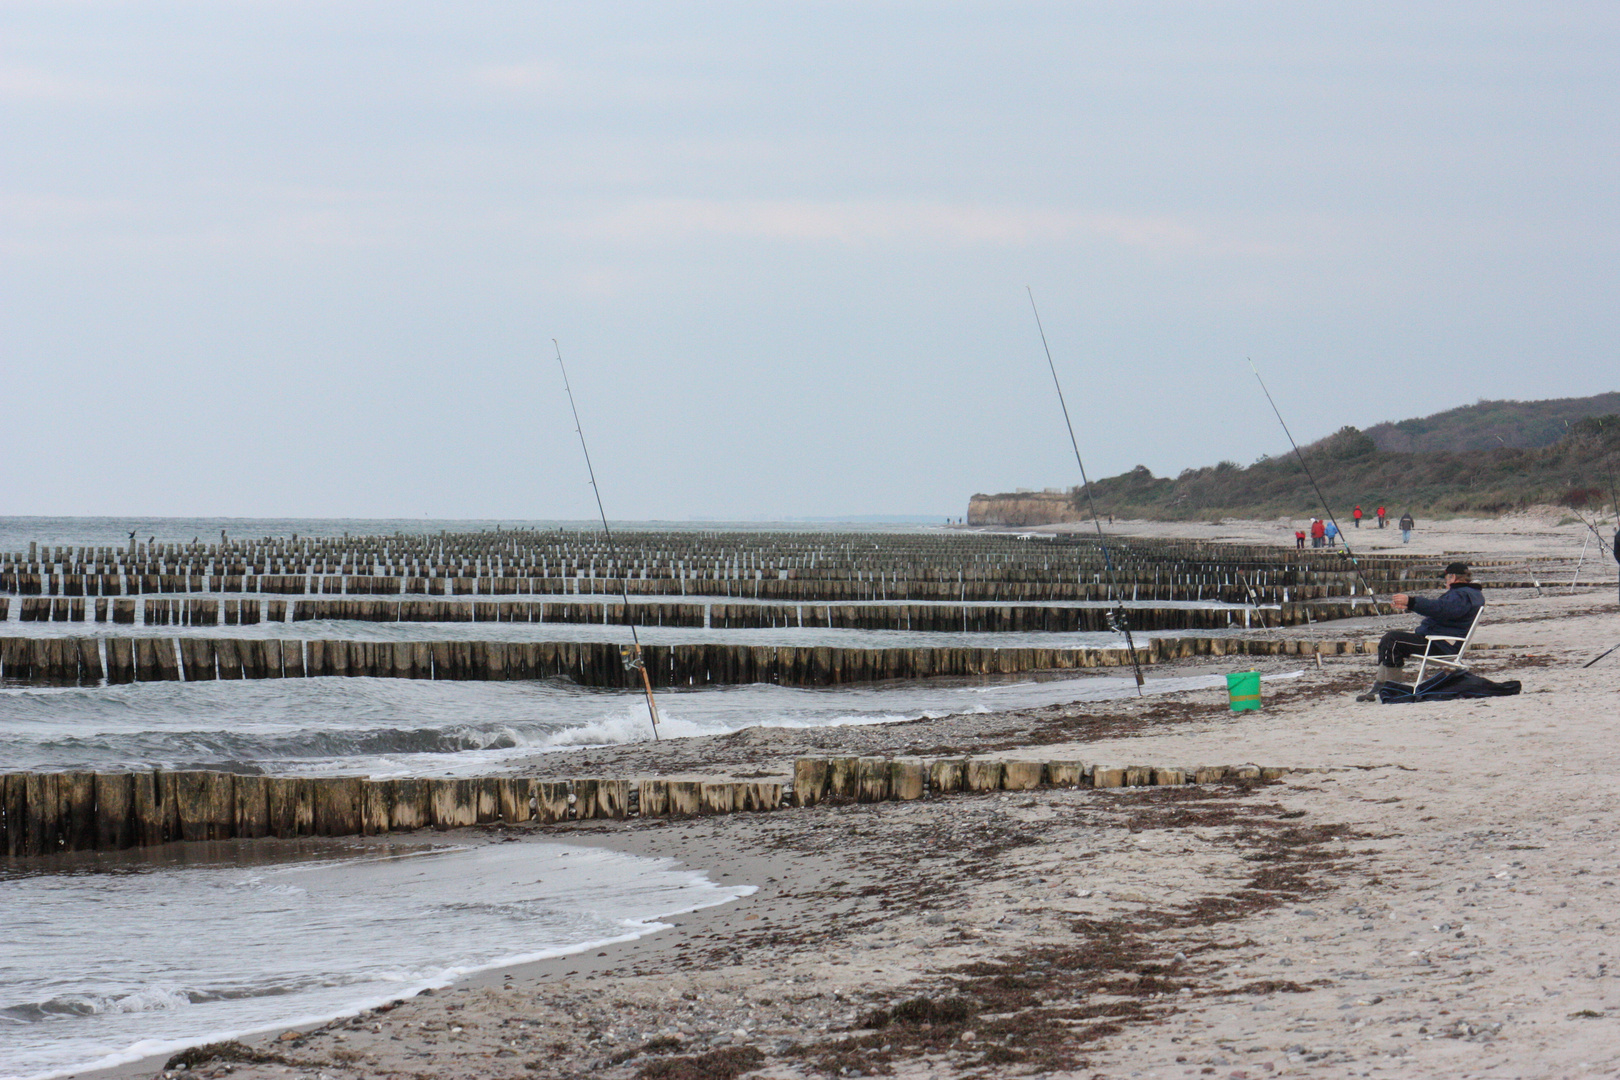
<point x="1357" y="516"/>
<point x="1318" y="533"/>
<point x="1380" y="517"/>
<point x="1299" y="540"/>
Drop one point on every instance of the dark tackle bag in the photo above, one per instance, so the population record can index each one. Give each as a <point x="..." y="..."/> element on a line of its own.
<point x="1447" y="686"/>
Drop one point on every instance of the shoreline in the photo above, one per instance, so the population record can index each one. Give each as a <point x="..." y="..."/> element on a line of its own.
<point x="1435" y="899"/>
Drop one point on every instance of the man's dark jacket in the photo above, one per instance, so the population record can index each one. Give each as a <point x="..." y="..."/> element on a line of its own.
<point x="1450" y="614"/>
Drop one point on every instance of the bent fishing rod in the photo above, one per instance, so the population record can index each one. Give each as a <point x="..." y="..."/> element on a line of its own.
<point x="1327" y="508"/>
<point x="1119" y="623"/>
<point x="632" y="657"/>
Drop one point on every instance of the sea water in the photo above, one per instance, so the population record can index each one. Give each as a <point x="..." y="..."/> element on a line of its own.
<point x="413" y="727"/>
<point x="110" y="957"/>
<point x="107" y="959"/>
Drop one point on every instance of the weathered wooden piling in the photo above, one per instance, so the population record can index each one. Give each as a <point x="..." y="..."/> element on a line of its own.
<point x="1021" y="775"/>
<point x="44" y="813"/>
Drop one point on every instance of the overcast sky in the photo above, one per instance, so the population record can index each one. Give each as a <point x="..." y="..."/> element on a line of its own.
<point x="308" y="258"/>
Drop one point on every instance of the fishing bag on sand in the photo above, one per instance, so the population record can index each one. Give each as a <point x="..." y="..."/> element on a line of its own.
<point x="1447" y="686"/>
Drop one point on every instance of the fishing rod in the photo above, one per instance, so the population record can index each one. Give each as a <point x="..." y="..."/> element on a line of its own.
<point x="1119" y="623"/>
<point x="1600" y="656"/>
<point x="631" y="657"/>
<point x="1355" y="564"/>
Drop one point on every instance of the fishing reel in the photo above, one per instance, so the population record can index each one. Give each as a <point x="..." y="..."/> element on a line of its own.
<point x="1117" y="622"/>
<point x="630" y="657"/>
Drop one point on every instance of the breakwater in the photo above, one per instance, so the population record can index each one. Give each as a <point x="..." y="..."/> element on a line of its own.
<point x="781" y="566"/>
<point x="46" y="813"/>
<point x="919" y="617"/>
<point x="67" y="661"/>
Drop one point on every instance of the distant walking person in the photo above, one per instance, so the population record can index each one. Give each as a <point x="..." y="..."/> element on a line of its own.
<point x="1332" y="534"/>
<point x="1407" y="525"/>
<point x="1318" y="533"/>
<point x="1356" y="515"/>
<point x="1451" y="614"/>
<point x="1381" y="516"/>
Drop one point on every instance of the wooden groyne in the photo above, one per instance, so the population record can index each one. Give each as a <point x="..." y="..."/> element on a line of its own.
<point x="919" y="617"/>
<point x="43" y="813"/>
<point x="62" y="661"/>
<point x="798" y="567"/>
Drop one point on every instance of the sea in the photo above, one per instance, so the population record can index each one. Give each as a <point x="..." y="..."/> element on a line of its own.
<point x="110" y="959"/>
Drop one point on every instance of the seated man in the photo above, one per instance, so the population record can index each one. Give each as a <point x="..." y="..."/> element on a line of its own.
<point x="1451" y="614"/>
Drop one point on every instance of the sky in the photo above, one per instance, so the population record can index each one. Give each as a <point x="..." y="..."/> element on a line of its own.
<point x="309" y="259"/>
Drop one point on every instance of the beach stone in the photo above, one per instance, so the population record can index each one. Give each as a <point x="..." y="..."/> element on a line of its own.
<point x="1138" y="775"/>
<point x="1163" y="777"/>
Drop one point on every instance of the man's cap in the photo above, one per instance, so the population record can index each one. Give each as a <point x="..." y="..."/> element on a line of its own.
<point x="1457" y="568"/>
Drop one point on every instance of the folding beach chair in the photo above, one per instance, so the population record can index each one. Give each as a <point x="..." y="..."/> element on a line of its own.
<point x="1454" y="660"/>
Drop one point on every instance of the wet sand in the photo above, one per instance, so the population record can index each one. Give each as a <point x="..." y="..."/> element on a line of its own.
<point x="1434" y="899"/>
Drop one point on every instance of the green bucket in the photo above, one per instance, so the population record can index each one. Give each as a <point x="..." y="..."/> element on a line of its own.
<point x="1243" y="689"/>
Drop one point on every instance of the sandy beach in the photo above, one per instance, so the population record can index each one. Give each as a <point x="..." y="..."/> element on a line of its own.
<point x="1430" y="895"/>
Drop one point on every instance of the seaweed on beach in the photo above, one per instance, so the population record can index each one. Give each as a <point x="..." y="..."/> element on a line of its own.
<point x="228" y="1051"/>
<point x="1037" y="1009"/>
<point x="726" y="1063"/>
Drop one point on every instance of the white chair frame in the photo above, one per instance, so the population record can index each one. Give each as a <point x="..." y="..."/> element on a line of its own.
<point x="1454" y="661"/>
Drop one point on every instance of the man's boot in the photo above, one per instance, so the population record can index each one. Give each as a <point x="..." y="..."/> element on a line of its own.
<point x="1385" y="675"/>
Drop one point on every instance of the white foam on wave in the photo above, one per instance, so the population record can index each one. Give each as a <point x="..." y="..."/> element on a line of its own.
<point x="632" y="724"/>
<point x="305" y="954"/>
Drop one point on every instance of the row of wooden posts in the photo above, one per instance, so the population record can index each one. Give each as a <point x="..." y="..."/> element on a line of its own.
<point x="783" y="589"/>
<point x="928" y="618"/>
<point x="63" y="661"/>
<point x="48" y="813"/>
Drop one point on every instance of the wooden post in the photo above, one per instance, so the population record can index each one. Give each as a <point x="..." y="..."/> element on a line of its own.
<point x="871" y="779"/>
<point x="337" y="805"/>
<point x="685" y="797"/>
<point x="714" y="798"/>
<point x="906" y="780"/>
<point x="842" y="777"/>
<point x="206" y="804"/>
<point x="115" y="806"/>
<point x="1065" y="773"/>
<point x="652" y="796"/>
<point x="76" y="802"/>
<point x="1021" y="775"/>
<point x="409" y="805"/>
<point x="809" y="780"/>
<point x="612" y="798"/>
<point x="515" y="793"/>
<point x="947" y="775"/>
<point x="551" y="801"/>
<point x="1107" y="777"/>
<point x="983" y="775"/>
<point x="252" y="807"/>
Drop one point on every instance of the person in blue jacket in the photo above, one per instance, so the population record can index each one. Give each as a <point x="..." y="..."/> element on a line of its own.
<point x="1451" y="614"/>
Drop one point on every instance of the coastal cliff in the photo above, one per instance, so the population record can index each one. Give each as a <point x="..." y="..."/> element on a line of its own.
<point x="1023" y="508"/>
